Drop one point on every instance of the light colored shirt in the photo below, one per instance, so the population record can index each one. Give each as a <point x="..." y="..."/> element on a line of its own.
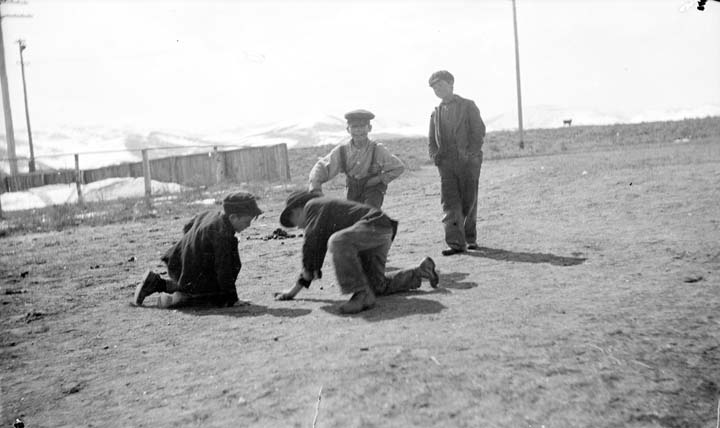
<point x="358" y="161"/>
<point x="449" y="115"/>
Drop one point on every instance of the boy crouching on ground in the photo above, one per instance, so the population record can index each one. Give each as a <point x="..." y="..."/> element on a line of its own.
<point x="359" y="238"/>
<point x="205" y="263"/>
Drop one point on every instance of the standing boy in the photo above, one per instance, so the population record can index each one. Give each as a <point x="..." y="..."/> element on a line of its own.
<point x="455" y="145"/>
<point x="368" y="166"/>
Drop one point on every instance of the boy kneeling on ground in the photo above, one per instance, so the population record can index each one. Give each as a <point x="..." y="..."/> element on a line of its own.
<point x="205" y="263"/>
<point x="359" y="238"/>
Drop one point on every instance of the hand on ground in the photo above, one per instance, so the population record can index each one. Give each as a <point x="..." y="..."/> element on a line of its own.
<point x="284" y="295"/>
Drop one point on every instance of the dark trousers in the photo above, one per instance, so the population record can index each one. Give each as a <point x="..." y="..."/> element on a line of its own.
<point x="458" y="196"/>
<point x="204" y="291"/>
<point x="357" y="191"/>
<point x="359" y="254"/>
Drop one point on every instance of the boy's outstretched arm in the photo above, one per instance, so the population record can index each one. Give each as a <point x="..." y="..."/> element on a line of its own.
<point x="290" y="293"/>
<point x="303" y="281"/>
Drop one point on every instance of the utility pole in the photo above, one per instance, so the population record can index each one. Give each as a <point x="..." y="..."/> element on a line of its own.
<point x="31" y="166"/>
<point x="517" y="77"/>
<point x="9" y="131"/>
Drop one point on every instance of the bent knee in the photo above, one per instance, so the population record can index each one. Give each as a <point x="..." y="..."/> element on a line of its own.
<point x="339" y="242"/>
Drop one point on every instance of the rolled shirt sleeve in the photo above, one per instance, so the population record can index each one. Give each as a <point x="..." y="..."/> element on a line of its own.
<point x="391" y="166"/>
<point x="325" y="169"/>
<point x="316" y="237"/>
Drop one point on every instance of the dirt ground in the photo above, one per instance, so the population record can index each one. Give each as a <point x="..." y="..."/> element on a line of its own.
<point x="595" y="302"/>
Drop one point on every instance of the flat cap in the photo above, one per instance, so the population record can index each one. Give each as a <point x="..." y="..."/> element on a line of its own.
<point x="441" y="75"/>
<point x="359" y="116"/>
<point x="296" y="199"/>
<point x="241" y="203"/>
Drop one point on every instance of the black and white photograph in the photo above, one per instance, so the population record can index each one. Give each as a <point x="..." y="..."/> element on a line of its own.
<point x="360" y="213"/>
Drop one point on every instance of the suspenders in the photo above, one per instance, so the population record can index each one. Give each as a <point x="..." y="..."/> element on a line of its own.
<point x="356" y="190"/>
<point x="343" y="157"/>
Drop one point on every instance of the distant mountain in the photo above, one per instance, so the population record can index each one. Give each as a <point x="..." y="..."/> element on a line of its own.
<point x="310" y="131"/>
<point x="97" y="146"/>
<point x="100" y="146"/>
<point x="549" y="116"/>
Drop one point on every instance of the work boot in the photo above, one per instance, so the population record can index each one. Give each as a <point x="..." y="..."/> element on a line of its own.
<point x="473" y="246"/>
<point x="359" y="302"/>
<point x="427" y="271"/>
<point x="452" y="251"/>
<point x="151" y="284"/>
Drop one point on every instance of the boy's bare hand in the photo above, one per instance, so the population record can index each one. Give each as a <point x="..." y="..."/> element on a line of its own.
<point x="373" y="181"/>
<point x="290" y="293"/>
<point x="284" y="295"/>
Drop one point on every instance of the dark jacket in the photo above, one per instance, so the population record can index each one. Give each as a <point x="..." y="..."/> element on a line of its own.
<point x="206" y="258"/>
<point x="325" y="216"/>
<point x="465" y="133"/>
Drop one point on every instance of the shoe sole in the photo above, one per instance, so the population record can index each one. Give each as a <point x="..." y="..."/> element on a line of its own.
<point x="435" y="280"/>
<point x="138" y="290"/>
<point x="434" y="277"/>
<point x="136" y="299"/>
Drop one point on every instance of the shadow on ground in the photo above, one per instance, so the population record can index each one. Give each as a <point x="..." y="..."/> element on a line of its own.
<point x="455" y="280"/>
<point x="328" y="301"/>
<point x="514" y="256"/>
<point x="392" y="307"/>
<point x="251" y="310"/>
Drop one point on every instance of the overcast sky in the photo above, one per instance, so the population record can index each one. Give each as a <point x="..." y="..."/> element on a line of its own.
<point x="203" y="65"/>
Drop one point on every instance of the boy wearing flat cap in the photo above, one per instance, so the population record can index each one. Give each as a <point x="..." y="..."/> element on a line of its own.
<point x="368" y="166"/>
<point x="359" y="237"/>
<point x="205" y="263"/>
<point x="455" y="145"/>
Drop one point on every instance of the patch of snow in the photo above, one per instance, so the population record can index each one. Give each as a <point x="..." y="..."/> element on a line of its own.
<point x="103" y="190"/>
<point x="209" y="201"/>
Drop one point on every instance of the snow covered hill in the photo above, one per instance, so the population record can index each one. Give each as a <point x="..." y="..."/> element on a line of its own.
<point x="101" y="146"/>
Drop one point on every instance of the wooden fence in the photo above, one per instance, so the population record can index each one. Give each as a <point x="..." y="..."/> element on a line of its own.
<point x="267" y="163"/>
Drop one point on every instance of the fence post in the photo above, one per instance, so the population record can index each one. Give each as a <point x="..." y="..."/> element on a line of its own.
<point x="287" y="162"/>
<point x="146" y="174"/>
<point x="78" y="180"/>
<point x="219" y="158"/>
<point x="3" y="186"/>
